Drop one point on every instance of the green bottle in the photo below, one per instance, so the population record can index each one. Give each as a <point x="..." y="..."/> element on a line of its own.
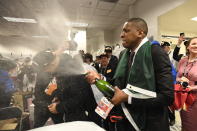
<point x="105" y="88"/>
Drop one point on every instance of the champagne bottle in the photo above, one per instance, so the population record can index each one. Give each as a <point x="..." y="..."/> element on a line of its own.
<point x="105" y="88"/>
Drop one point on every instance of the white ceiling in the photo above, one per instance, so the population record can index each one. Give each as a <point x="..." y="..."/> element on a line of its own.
<point x="55" y="13"/>
<point x="52" y="15"/>
<point x="179" y="19"/>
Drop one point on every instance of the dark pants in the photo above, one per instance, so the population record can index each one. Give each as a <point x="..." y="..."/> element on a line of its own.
<point x="42" y="114"/>
<point x="122" y="125"/>
<point x="171" y="115"/>
<point x="5" y="100"/>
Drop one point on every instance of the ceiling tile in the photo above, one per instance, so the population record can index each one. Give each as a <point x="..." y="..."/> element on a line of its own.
<point x="121" y="7"/>
<point x="70" y="17"/>
<point x="103" y="19"/>
<point x="102" y="26"/>
<point x="68" y="3"/>
<point x="115" y="13"/>
<point x="125" y="15"/>
<point x="112" y="19"/>
<point x="105" y="5"/>
<point x="126" y="2"/>
<point x="88" y="3"/>
<point x="84" y="17"/>
<point x="101" y="12"/>
<point x="85" y="11"/>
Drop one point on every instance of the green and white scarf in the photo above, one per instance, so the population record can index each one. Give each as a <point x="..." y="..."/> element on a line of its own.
<point x="141" y="78"/>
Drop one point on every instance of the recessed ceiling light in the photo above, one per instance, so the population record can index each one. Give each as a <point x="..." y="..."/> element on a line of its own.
<point x="24" y="20"/>
<point x="76" y="24"/>
<point x="194" y="18"/>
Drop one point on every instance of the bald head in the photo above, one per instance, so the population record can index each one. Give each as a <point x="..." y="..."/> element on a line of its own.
<point x="140" y="24"/>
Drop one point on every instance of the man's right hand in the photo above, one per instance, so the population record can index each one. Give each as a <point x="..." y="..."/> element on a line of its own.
<point x="91" y="76"/>
<point x="52" y="108"/>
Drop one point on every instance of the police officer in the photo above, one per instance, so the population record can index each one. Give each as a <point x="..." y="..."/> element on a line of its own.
<point x="107" y="69"/>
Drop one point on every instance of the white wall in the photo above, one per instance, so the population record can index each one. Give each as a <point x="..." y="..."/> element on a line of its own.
<point x="150" y="12"/>
<point x="95" y="40"/>
<point x="117" y="31"/>
<point x="116" y="35"/>
<point x="108" y="37"/>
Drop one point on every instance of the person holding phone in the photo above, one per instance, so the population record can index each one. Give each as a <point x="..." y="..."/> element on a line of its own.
<point x="176" y="55"/>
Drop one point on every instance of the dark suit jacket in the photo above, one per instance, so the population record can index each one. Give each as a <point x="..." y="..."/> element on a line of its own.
<point x="77" y="98"/>
<point x="113" y="61"/>
<point x="41" y="98"/>
<point x="156" y="109"/>
<point x="176" y="54"/>
<point x="108" y="72"/>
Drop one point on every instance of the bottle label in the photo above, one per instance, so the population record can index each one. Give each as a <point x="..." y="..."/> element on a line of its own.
<point x="104" y="107"/>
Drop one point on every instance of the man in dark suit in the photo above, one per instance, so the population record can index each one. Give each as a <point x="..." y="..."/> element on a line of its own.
<point x="144" y="81"/>
<point x="113" y="60"/>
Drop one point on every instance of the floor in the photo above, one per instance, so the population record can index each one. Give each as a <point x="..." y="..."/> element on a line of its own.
<point x="177" y="125"/>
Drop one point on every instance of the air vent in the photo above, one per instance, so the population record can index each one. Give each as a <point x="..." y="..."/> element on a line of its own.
<point x="112" y="1"/>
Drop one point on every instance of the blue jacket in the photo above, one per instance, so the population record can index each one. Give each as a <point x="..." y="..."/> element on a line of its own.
<point x="6" y="81"/>
<point x="6" y="89"/>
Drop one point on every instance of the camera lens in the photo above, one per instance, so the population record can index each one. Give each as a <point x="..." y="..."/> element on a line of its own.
<point x="184" y="84"/>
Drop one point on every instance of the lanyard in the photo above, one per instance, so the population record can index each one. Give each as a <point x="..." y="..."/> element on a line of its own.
<point x="186" y="72"/>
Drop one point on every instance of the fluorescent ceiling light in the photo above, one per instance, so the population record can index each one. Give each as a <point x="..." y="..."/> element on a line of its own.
<point x="24" y="20"/>
<point x="194" y="18"/>
<point x="76" y="24"/>
<point x="40" y="36"/>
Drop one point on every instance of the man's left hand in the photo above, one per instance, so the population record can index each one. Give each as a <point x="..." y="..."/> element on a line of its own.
<point x="52" y="108"/>
<point x="119" y="96"/>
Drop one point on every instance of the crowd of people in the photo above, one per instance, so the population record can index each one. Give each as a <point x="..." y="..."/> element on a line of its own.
<point x="143" y="78"/>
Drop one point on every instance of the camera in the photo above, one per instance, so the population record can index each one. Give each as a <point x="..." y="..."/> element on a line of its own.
<point x="184" y="84"/>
